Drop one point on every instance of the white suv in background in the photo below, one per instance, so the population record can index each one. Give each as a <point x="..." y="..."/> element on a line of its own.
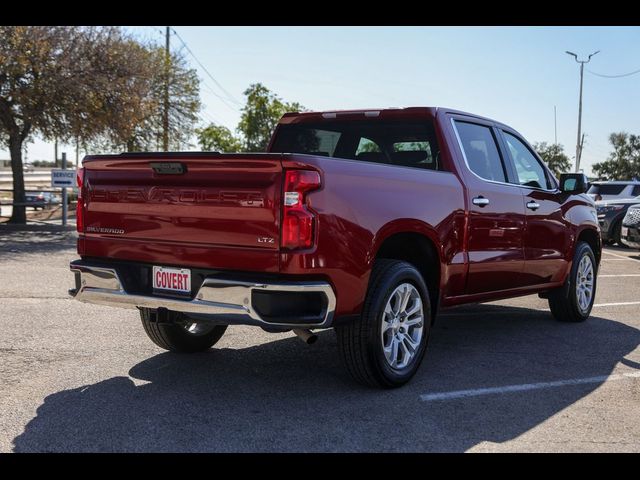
<point x="614" y="190"/>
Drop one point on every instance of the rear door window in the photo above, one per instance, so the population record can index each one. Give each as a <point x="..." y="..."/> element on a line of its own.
<point x="481" y="151"/>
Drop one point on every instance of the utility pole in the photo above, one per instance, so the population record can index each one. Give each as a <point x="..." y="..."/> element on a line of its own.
<point x="55" y="153"/>
<point x="578" y="146"/>
<point x="555" y="125"/>
<point x="64" y="192"/>
<point x="581" y="144"/>
<point x="165" y="113"/>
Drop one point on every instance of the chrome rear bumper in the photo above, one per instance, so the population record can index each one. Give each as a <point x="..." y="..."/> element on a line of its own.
<point x="225" y="301"/>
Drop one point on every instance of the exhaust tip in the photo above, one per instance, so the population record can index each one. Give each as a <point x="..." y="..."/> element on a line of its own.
<point x="306" y="335"/>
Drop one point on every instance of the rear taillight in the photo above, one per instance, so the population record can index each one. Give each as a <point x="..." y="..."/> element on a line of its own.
<point x="80" y="206"/>
<point x="298" y="221"/>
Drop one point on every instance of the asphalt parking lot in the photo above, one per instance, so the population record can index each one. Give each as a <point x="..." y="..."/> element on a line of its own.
<point x="503" y="376"/>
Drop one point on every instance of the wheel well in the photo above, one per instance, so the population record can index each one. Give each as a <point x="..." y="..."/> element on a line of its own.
<point x="419" y="251"/>
<point x="593" y="239"/>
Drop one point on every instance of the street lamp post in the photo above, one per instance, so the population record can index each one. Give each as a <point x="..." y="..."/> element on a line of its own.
<point x="578" y="145"/>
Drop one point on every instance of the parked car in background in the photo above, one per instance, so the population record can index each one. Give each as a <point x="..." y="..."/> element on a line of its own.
<point x="610" y="215"/>
<point x="630" y="232"/>
<point x="614" y="190"/>
<point x="41" y="200"/>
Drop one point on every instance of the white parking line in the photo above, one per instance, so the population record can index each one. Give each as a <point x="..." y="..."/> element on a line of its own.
<point x="429" y="397"/>
<point x="621" y="275"/>
<point x="619" y="256"/>
<point x="615" y="304"/>
<point x="533" y="311"/>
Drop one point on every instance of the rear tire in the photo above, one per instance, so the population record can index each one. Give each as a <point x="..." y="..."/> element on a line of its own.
<point x="180" y="334"/>
<point x="573" y="302"/>
<point x="396" y="315"/>
<point x="616" y="234"/>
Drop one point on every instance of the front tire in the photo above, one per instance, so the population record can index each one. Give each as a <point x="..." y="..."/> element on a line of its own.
<point x="616" y="233"/>
<point x="180" y="333"/>
<point x="385" y="346"/>
<point x="573" y="302"/>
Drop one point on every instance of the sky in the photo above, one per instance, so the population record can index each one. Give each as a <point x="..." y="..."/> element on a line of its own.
<point x="515" y="75"/>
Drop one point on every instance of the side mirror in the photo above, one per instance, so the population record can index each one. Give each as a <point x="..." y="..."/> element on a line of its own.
<point x="574" y="183"/>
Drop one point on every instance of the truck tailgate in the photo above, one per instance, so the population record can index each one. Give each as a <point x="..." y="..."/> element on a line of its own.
<point x="211" y="210"/>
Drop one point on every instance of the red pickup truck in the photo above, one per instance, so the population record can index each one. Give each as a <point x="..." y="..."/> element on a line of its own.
<point x="368" y="222"/>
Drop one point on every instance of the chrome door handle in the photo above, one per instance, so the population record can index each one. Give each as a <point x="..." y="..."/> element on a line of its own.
<point x="480" y="201"/>
<point x="533" y="205"/>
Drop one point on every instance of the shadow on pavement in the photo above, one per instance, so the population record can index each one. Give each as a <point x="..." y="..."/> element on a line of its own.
<point x="633" y="253"/>
<point x="285" y="396"/>
<point x="34" y="239"/>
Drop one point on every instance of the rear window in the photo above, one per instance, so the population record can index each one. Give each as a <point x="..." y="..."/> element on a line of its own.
<point x="607" y="189"/>
<point x="408" y="144"/>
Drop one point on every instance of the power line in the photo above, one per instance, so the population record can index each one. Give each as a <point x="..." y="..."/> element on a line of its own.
<point x="206" y="114"/>
<point x="229" y="96"/>
<point x="213" y="92"/>
<point x="224" y="102"/>
<point x="210" y="117"/>
<point x="157" y="30"/>
<point x="213" y="119"/>
<point x="613" y="76"/>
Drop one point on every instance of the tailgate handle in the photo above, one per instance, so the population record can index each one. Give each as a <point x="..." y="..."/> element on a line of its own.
<point x="169" y="168"/>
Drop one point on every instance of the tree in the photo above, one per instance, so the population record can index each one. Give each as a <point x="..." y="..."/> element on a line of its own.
<point x="184" y="104"/>
<point x="218" y="138"/>
<point x="260" y="115"/>
<point x="67" y="82"/>
<point x="624" y="162"/>
<point x="554" y="156"/>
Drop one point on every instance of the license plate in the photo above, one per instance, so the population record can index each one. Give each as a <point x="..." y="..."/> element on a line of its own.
<point x="624" y="231"/>
<point x="172" y="279"/>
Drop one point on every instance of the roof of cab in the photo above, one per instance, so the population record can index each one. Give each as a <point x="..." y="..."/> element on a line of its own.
<point x="377" y="113"/>
<point x="616" y="182"/>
